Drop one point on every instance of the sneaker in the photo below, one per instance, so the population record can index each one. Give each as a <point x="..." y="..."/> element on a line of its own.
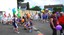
<point x="18" y="32"/>
<point x="25" y="29"/>
<point x="30" y="31"/>
<point x="47" y="21"/>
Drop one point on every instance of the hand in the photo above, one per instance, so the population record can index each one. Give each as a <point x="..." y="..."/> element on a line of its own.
<point x="57" y="23"/>
<point x="54" y="27"/>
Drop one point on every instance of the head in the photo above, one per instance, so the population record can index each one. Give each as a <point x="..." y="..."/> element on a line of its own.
<point x="61" y="13"/>
<point x="54" y="13"/>
<point x="14" y="15"/>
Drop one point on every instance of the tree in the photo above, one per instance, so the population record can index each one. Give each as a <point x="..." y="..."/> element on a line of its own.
<point x="57" y="9"/>
<point x="20" y="0"/>
<point x="63" y="8"/>
<point x="27" y="5"/>
<point x="37" y="8"/>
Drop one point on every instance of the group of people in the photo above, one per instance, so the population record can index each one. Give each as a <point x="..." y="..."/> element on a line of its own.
<point x="57" y="18"/>
<point x="24" y="21"/>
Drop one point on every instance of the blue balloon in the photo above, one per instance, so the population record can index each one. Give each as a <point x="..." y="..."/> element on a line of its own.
<point x="13" y="10"/>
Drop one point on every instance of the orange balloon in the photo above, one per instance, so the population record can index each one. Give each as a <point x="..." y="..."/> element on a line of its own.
<point x="22" y="20"/>
<point x="40" y="34"/>
<point x="28" y="15"/>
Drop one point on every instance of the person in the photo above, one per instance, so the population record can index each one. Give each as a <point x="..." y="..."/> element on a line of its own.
<point x="1" y="18"/>
<point x="31" y="25"/>
<point x="53" y="23"/>
<point x="15" y="24"/>
<point x="28" y="16"/>
<point x="36" y="17"/>
<point x="4" y="20"/>
<point x="44" y="16"/>
<point x="61" y="22"/>
<point x="39" y="14"/>
<point x="19" y="20"/>
<point x="9" y="19"/>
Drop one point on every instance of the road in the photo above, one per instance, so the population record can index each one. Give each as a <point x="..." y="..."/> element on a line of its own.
<point x="43" y="28"/>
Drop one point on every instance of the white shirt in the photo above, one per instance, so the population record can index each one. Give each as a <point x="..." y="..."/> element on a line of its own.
<point x="4" y="18"/>
<point x="36" y="16"/>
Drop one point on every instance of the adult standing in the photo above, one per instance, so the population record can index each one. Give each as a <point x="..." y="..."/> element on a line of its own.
<point x="61" y="22"/>
<point x="53" y="23"/>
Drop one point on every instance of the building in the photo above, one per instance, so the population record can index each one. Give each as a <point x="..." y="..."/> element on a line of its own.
<point x="51" y="7"/>
<point x="24" y="6"/>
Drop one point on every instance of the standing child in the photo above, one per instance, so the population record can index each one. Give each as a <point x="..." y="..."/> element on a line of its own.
<point x="15" y="24"/>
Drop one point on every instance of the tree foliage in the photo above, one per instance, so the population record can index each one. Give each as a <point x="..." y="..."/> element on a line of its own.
<point x="27" y="5"/>
<point x="57" y="9"/>
<point x="37" y="8"/>
<point x="20" y="0"/>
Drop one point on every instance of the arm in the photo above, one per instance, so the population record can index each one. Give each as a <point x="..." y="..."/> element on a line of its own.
<point x="52" y="22"/>
<point x="57" y="22"/>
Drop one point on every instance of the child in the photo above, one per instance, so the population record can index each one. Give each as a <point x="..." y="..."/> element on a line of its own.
<point x="15" y="24"/>
<point x="31" y="24"/>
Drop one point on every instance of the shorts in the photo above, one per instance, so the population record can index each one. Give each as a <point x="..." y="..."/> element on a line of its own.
<point x="15" y="25"/>
<point x="30" y="27"/>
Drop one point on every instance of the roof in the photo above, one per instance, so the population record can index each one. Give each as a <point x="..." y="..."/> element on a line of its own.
<point x="51" y="6"/>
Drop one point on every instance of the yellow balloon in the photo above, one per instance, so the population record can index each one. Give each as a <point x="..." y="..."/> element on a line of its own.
<point x="49" y="11"/>
<point x="42" y="10"/>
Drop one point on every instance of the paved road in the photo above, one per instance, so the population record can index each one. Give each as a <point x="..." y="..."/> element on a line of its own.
<point x="43" y="28"/>
<point x="8" y="30"/>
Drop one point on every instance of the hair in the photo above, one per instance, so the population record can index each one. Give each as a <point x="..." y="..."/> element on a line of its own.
<point x="14" y="15"/>
<point x="53" y="12"/>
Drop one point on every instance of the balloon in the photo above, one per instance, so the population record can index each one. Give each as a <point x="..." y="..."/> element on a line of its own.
<point x="28" y="15"/>
<point x="50" y="11"/>
<point x="58" y="27"/>
<point x="40" y="34"/>
<point x="42" y="10"/>
<point x="13" y="10"/>
<point x="18" y="15"/>
<point x="22" y="20"/>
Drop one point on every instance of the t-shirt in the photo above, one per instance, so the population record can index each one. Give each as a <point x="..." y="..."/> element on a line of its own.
<point x="36" y="16"/>
<point x="4" y="18"/>
<point x="54" y="20"/>
<point x="9" y="18"/>
<point x="61" y="19"/>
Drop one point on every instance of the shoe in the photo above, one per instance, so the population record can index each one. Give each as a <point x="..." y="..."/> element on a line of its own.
<point x="18" y="32"/>
<point x="25" y="29"/>
<point x="30" y="31"/>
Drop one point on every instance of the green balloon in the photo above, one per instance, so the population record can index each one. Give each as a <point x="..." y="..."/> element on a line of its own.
<point x="18" y="15"/>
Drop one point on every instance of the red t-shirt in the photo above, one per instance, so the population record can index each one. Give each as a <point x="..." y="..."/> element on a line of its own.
<point x="61" y="19"/>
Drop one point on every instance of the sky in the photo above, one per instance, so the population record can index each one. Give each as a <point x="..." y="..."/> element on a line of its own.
<point x="41" y="3"/>
<point x="8" y="5"/>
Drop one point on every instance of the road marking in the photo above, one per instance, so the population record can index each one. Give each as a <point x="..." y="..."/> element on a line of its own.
<point x="39" y="33"/>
